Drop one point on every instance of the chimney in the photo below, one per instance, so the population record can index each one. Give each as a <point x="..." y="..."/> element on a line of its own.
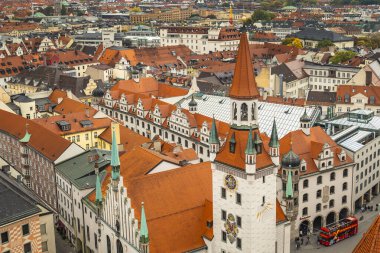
<point x="265" y="95"/>
<point x="177" y="149"/>
<point x="281" y="76"/>
<point x="87" y="112"/>
<point x="157" y="146"/>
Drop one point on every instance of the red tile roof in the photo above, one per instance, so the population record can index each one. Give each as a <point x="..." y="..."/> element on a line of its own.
<point x="44" y="141"/>
<point x="371" y="239"/>
<point x="244" y="83"/>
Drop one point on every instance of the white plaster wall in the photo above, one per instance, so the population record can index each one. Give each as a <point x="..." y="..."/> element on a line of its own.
<point x="71" y="151"/>
<point x="257" y="234"/>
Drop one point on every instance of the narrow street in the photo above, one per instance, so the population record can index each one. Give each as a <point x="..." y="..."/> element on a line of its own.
<point x="346" y="245"/>
<point x="62" y="246"/>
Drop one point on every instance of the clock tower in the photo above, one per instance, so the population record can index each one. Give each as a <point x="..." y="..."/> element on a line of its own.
<point x="243" y="173"/>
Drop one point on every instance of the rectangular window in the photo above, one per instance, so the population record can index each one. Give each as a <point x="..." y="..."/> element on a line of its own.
<point x="224" y="215"/>
<point x="224" y="236"/>
<point x="78" y="224"/>
<point x="223" y="193"/>
<point x="4" y="237"/>
<point x="25" y="229"/>
<point x="88" y="233"/>
<point x="44" y="246"/>
<point x="238" y="198"/>
<point x="43" y="229"/>
<point x="238" y="221"/>
<point x="28" y="248"/>
<point x="238" y="243"/>
<point x="96" y="240"/>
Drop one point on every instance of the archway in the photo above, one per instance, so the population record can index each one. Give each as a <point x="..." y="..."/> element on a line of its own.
<point x="330" y="218"/>
<point x="317" y="223"/>
<point x="119" y="246"/>
<point x="343" y="213"/>
<point x="304" y="227"/>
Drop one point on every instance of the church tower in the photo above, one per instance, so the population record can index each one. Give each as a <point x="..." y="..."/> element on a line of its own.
<point x="243" y="91"/>
<point x="243" y="173"/>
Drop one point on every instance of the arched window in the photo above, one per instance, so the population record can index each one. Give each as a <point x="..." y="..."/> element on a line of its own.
<point x="319" y="180"/>
<point x="244" y="112"/>
<point x="253" y="111"/>
<point x="344" y="199"/>
<point x="319" y="194"/>
<point x="345" y="173"/>
<point x="235" y="111"/>
<point x="331" y="203"/>
<point x="332" y="176"/>
<point x="305" y="197"/>
<point x="318" y="207"/>
<point x="304" y="211"/>
<point x="119" y="246"/>
<point x="305" y="183"/>
<point x="332" y="190"/>
<point x="108" y="244"/>
<point x="344" y="186"/>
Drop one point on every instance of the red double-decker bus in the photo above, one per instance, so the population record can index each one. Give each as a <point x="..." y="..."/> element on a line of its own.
<point x="338" y="231"/>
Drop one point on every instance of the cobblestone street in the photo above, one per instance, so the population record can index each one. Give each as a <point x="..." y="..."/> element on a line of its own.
<point x="62" y="246"/>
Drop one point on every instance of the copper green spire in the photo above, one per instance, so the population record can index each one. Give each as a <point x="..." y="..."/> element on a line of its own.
<point x="144" y="237"/>
<point x="250" y="149"/>
<point x="115" y="162"/>
<point x="27" y="135"/>
<point x="273" y="143"/>
<point x="214" y="138"/>
<point x="98" y="189"/>
<point x="289" y="186"/>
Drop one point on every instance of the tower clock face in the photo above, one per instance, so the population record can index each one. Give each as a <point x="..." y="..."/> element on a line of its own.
<point x="230" y="182"/>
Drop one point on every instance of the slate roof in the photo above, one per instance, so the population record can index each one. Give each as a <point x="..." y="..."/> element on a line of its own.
<point x="320" y="34"/>
<point x="321" y="96"/>
<point x="16" y="205"/>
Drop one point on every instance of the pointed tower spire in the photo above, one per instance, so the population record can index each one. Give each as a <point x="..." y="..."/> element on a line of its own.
<point x="231" y="14"/>
<point x="214" y="138"/>
<point x="250" y="149"/>
<point x="115" y="162"/>
<point x="289" y="186"/>
<point x="244" y="84"/>
<point x="273" y="143"/>
<point x="144" y="236"/>
<point x="98" y="187"/>
<point x="250" y="155"/>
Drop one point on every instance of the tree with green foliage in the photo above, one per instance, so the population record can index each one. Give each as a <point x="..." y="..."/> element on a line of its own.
<point x="63" y="10"/>
<point x="342" y="56"/>
<point x="325" y="43"/>
<point x="372" y="41"/>
<point x="262" y="15"/>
